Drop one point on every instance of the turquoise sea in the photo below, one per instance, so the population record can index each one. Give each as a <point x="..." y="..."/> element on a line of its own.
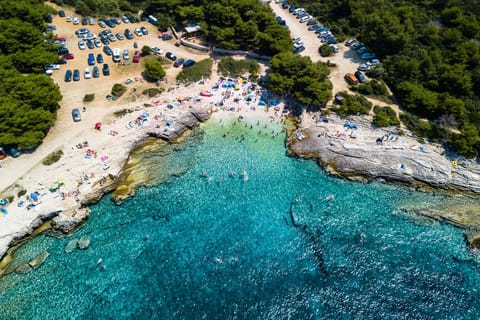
<point x="289" y="242"/>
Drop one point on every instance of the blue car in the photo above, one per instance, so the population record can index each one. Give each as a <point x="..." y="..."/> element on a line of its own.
<point x="361" y="78"/>
<point x="91" y="59"/>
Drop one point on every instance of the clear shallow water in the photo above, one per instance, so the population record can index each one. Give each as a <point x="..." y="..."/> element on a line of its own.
<point x="210" y="245"/>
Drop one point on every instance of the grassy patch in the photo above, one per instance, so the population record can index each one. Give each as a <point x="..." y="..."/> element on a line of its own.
<point x="21" y="193"/>
<point x="202" y="69"/>
<point x="121" y="113"/>
<point x="118" y="89"/>
<point x="352" y="105"/>
<point x="52" y="157"/>
<point x="151" y="92"/>
<point x="385" y="117"/>
<point x="375" y="89"/>
<point x="230" y="67"/>
<point x="89" y="97"/>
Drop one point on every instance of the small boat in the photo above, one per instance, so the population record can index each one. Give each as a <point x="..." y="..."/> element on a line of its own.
<point x="244" y="175"/>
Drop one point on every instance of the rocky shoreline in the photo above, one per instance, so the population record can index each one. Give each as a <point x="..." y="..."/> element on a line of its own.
<point x="66" y="221"/>
<point x="353" y="149"/>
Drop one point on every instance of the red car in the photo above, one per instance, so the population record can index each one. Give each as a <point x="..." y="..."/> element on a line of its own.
<point x="69" y="56"/>
<point x="136" y="56"/>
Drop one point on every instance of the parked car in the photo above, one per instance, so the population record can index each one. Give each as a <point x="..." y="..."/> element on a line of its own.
<point x="111" y="37"/>
<point x="76" y="75"/>
<point x="105" y="70"/>
<point x="62" y="50"/>
<point x="170" y="56"/>
<point x="81" y="45"/>
<point x="144" y="31"/>
<point x="76" y="21"/>
<point x="131" y="19"/>
<point x="99" y="58"/>
<point x="91" y="59"/>
<point x="84" y="21"/>
<point x="61" y="61"/>
<point x="52" y="66"/>
<point x="87" y="74"/>
<point x="125" y="19"/>
<point x="298" y="50"/>
<point x="96" y="72"/>
<point x="116" y="55"/>
<point x="312" y="27"/>
<point x="91" y="21"/>
<point x="61" y="13"/>
<point x="334" y="48"/>
<point x="69" y="19"/>
<point x="90" y="44"/>
<point x="68" y="56"/>
<point x="107" y="50"/>
<point x="361" y="78"/>
<point x="136" y="56"/>
<point x="126" y="54"/>
<point x="98" y="43"/>
<point x="351" y="79"/>
<point x="128" y="34"/>
<point x="110" y="23"/>
<point x="157" y="50"/>
<point x="362" y="50"/>
<point x="105" y="41"/>
<point x="350" y="41"/>
<point x="166" y="37"/>
<point x="188" y="63"/>
<point x="357" y="45"/>
<point x="373" y="62"/>
<point x="138" y="32"/>
<point x="178" y="62"/>
<point x="367" y="56"/>
<point x="116" y="20"/>
<point x="13" y="152"/>
<point x="312" y="22"/>
<point x="68" y="75"/>
<point x="285" y="5"/>
<point x="363" y="67"/>
<point x="76" y="116"/>
<point x="102" y="24"/>
<point x="119" y="36"/>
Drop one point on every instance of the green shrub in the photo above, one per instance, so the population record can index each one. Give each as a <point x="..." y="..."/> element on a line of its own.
<point x="234" y="68"/>
<point x="352" y="105"/>
<point x="385" y="117"/>
<point x="118" y="89"/>
<point x="325" y="50"/>
<point x="21" y="193"/>
<point x="89" y="97"/>
<point x="146" y="50"/>
<point x="121" y="113"/>
<point x="151" y="92"/>
<point x="154" y="70"/>
<point x="53" y="157"/>
<point x="200" y="70"/>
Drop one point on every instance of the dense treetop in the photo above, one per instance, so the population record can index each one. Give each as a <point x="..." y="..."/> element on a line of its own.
<point x="28" y="102"/>
<point x="431" y="55"/>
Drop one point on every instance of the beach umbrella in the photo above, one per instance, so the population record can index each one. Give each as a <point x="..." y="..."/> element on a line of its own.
<point x="98" y="125"/>
<point x="33" y="196"/>
<point x="3" y="202"/>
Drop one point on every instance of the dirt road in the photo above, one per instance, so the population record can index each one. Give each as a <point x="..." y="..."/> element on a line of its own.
<point x="346" y="60"/>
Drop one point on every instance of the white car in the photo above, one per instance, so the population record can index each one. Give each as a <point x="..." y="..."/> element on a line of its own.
<point x="69" y="18"/>
<point x="98" y="43"/>
<point x="52" y="67"/>
<point x="126" y="55"/>
<point x="76" y="20"/>
<point x="138" y="32"/>
<point x="81" y="45"/>
<point x="363" y="67"/>
<point x="157" y="50"/>
<point x="88" y="74"/>
<point x="373" y="62"/>
<point x="334" y="48"/>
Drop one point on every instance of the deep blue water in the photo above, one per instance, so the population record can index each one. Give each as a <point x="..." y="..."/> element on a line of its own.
<point x="209" y="245"/>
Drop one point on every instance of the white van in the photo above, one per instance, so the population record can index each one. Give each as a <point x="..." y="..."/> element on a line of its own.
<point x="116" y="55"/>
<point x="305" y="19"/>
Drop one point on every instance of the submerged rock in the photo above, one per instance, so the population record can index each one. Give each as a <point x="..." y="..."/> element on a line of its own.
<point x="71" y="246"/>
<point x="38" y="260"/>
<point x="24" y="268"/>
<point x="473" y="239"/>
<point x="83" y="243"/>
